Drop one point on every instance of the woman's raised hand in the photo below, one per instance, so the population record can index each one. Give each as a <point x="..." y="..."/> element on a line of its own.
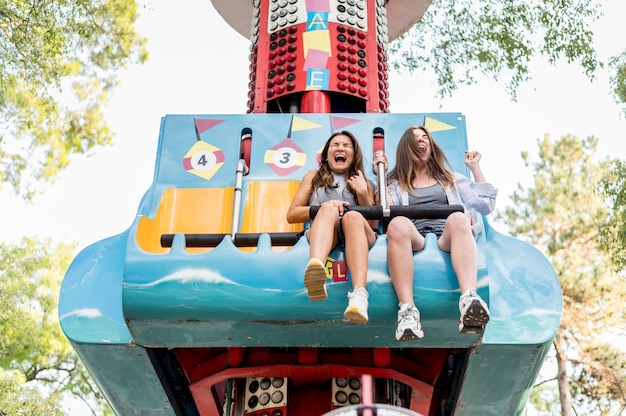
<point x="358" y="183"/>
<point x="472" y="158"/>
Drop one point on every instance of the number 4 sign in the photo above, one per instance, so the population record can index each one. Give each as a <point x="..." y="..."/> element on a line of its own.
<point x="203" y="160"/>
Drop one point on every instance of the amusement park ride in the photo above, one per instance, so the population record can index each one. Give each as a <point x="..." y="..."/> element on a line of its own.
<point x="199" y="308"/>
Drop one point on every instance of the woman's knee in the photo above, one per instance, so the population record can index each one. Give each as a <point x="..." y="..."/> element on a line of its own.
<point x="399" y="228"/>
<point x="352" y="218"/>
<point x="458" y="222"/>
<point x="328" y="212"/>
<point x="353" y="224"/>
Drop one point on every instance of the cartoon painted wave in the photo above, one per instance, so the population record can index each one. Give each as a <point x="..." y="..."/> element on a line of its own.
<point x="187" y="276"/>
<point x="90" y="325"/>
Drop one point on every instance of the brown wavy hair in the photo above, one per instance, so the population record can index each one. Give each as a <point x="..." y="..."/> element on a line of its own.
<point x="324" y="175"/>
<point x="405" y="170"/>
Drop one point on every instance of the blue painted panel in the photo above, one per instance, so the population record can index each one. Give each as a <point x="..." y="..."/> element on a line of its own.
<point x="307" y="131"/>
<point x="227" y="284"/>
<point x="90" y="304"/>
<point x="173" y="289"/>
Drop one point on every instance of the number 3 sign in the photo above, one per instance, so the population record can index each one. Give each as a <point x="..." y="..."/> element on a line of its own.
<point x="285" y="157"/>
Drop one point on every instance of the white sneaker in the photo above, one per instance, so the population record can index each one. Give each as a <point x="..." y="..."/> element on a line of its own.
<point x="474" y="313"/>
<point x="357" y="306"/>
<point x="409" y="325"/>
<point x="315" y="280"/>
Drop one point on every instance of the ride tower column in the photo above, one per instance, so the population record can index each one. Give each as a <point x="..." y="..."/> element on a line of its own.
<point x="319" y="55"/>
<point x="309" y="56"/>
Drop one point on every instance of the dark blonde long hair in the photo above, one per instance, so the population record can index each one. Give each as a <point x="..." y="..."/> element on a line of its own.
<point x="405" y="170"/>
<point x="324" y="176"/>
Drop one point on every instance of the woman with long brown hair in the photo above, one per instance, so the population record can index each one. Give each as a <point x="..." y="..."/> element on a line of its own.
<point x="338" y="183"/>
<point x="423" y="175"/>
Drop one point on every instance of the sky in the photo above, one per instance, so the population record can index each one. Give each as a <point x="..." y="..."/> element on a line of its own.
<point x="199" y="65"/>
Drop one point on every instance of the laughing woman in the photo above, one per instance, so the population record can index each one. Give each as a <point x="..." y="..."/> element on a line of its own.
<point x="421" y="177"/>
<point x="336" y="185"/>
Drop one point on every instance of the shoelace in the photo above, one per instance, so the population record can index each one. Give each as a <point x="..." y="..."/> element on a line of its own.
<point x="406" y="314"/>
<point x="468" y="298"/>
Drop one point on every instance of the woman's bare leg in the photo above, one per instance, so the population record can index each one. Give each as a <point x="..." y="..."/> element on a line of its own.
<point x="402" y="241"/>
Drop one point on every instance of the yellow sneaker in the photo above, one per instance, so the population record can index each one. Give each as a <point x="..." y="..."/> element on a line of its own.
<point x="315" y="280"/>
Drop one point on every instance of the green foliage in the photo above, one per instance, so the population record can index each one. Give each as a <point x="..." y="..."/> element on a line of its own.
<point x="16" y="400"/>
<point x="545" y="399"/>
<point x="458" y="39"/>
<point x="35" y="353"/>
<point x="562" y="216"/>
<point x="618" y="79"/>
<point x="589" y="392"/>
<point x="58" y="61"/>
<point x="58" y="65"/>
<point x="612" y="233"/>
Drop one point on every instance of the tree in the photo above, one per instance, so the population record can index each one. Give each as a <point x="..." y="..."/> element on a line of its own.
<point x="613" y="231"/>
<point x="58" y="67"/>
<point x="561" y="216"/>
<point x="618" y="79"/>
<point x="17" y="400"/>
<point x="459" y="39"/>
<point x="38" y="366"/>
<point x="58" y="64"/>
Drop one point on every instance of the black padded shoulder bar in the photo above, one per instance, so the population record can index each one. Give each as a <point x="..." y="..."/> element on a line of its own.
<point x="375" y="212"/>
<point x="414" y="211"/>
<point x="194" y="240"/>
<point x="241" y="239"/>
<point x="372" y="212"/>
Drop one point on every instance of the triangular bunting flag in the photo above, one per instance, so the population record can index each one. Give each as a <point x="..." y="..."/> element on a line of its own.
<point x="203" y="125"/>
<point x="298" y="123"/>
<point x="339" y="123"/>
<point x="435" y="125"/>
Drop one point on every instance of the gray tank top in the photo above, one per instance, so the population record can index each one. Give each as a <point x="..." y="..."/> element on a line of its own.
<point x="340" y="193"/>
<point x="430" y="195"/>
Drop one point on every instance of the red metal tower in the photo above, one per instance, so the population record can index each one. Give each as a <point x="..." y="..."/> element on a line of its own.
<point x="319" y="56"/>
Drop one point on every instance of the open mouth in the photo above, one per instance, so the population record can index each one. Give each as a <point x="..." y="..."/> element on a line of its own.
<point x="340" y="158"/>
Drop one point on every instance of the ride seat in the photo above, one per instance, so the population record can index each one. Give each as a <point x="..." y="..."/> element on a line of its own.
<point x="265" y="208"/>
<point x="187" y="210"/>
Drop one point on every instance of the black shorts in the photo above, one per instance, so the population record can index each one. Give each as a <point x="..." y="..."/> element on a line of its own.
<point x="425" y="229"/>
<point x="342" y="237"/>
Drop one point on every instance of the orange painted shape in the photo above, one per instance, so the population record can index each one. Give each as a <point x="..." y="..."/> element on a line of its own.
<point x="265" y="208"/>
<point x="189" y="210"/>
